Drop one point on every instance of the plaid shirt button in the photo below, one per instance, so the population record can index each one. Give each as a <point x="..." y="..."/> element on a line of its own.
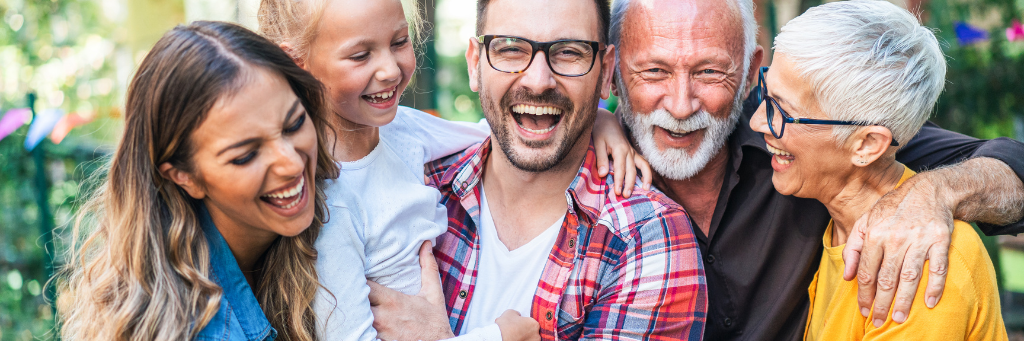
<point x="549" y="315"/>
<point x="572" y="242"/>
<point x="462" y="294"/>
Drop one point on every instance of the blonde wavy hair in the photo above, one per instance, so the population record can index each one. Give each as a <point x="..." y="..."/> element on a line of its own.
<point x="297" y="23"/>
<point x="138" y="263"/>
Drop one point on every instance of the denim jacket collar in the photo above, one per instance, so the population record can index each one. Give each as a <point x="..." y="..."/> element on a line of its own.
<point x="238" y="303"/>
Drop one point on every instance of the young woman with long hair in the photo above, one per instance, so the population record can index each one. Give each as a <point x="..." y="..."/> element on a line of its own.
<point x="205" y="225"/>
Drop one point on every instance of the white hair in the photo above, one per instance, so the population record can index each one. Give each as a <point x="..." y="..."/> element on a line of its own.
<point x="867" y="61"/>
<point x="746" y="11"/>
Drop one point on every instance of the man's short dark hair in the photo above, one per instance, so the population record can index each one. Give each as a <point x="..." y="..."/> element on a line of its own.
<point x="603" y="15"/>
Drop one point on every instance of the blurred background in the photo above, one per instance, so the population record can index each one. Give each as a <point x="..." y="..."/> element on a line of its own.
<point x="65" y="65"/>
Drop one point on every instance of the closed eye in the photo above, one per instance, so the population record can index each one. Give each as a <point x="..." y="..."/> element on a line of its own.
<point x="361" y="56"/>
<point x="244" y="159"/>
<point x="297" y="125"/>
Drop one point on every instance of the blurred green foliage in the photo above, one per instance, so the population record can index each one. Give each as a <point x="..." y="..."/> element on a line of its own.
<point x="64" y="51"/>
<point x="984" y="94"/>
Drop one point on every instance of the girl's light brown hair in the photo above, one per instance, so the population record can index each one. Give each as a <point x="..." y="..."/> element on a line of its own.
<point x="138" y="264"/>
<point x="295" y="23"/>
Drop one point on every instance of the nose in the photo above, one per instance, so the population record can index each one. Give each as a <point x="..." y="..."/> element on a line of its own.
<point x="681" y="101"/>
<point x="759" y="122"/>
<point x="388" y="71"/>
<point x="288" y="162"/>
<point x="538" y="77"/>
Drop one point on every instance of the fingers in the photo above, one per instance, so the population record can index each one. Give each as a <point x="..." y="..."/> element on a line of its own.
<point x="602" y="157"/>
<point x="647" y="176"/>
<point x="430" y="280"/>
<point x="888" y="280"/>
<point x="619" y="171"/>
<point x="627" y="187"/>
<point x="854" y="245"/>
<point x="509" y="313"/>
<point x="910" y="277"/>
<point x="938" y="263"/>
<point x="380" y="295"/>
<point x="867" y="272"/>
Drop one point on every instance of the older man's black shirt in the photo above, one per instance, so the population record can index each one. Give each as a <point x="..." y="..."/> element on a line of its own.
<point x="763" y="248"/>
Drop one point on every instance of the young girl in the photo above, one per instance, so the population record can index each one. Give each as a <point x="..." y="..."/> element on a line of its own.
<point x="380" y="209"/>
<point x="204" y="228"/>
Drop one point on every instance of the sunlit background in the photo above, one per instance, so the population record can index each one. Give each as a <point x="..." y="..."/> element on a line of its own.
<point x="65" y="65"/>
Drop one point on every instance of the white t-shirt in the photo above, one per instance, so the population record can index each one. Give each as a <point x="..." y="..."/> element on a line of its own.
<point x="506" y="279"/>
<point x="380" y="213"/>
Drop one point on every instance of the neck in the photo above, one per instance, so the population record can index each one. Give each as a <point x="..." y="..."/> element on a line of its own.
<point x="523" y="204"/>
<point x="859" y="191"/>
<point x="699" y="193"/>
<point x="351" y="141"/>
<point x="247" y="244"/>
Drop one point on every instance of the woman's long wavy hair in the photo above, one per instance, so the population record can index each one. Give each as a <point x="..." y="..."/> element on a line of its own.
<point x="139" y="265"/>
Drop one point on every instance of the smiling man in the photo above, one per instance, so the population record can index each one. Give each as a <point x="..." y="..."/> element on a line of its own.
<point x="532" y="227"/>
<point x="685" y="68"/>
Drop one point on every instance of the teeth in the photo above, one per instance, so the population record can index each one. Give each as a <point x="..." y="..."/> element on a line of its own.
<point x="677" y="134"/>
<point x="777" y="151"/>
<point x="780" y="152"/>
<point x="382" y="95"/>
<point x="538" y="131"/>
<point x="532" y="110"/>
<point x="289" y="192"/>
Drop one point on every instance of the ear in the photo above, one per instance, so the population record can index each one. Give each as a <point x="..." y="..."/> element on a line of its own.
<point x="755" y="65"/>
<point x="473" y="63"/>
<point x="869" y="144"/>
<point x="607" y="70"/>
<point x="182" y="179"/>
<point x="292" y="52"/>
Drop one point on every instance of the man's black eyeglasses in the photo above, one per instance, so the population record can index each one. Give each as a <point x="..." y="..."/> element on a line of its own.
<point x="778" y="126"/>
<point x="569" y="58"/>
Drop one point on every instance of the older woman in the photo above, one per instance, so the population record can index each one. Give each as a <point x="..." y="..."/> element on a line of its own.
<point x="849" y="81"/>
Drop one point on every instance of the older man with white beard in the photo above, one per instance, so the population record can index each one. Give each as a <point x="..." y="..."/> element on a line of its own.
<point x="684" y="70"/>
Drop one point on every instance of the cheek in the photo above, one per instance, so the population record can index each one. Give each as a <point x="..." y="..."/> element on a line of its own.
<point x="342" y="81"/>
<point x="406" y="63"/>
<point x="715" y="98"/>
<point x="644" y="98"/>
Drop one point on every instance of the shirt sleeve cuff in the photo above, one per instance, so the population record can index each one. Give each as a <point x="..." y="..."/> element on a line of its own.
<point x="1011" y="153"/>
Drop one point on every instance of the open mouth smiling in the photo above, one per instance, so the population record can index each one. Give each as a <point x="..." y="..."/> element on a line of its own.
<point x="536" y="119"/>
<point x="781" y="156"/>
<point x="288" y="197"/>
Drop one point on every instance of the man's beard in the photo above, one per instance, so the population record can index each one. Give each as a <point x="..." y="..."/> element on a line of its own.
<point x="573" y="123"/>
<point x="677" y="163"/>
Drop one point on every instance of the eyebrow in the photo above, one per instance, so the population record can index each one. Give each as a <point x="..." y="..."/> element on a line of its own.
<point x="248" y="141"/>
<point x="788" y="103"/>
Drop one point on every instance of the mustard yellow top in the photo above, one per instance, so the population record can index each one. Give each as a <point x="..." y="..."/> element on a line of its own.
<point x="967" y="310"/>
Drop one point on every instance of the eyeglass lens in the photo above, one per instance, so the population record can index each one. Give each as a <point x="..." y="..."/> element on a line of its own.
<point x="509" y="54"/>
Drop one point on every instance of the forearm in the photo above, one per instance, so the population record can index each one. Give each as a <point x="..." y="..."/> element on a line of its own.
<point x="980" y="190"/>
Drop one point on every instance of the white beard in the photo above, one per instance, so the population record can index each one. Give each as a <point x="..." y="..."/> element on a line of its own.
<point x="677" y="163"/>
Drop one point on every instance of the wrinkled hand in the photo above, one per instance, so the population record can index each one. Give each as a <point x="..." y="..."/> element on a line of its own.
<point x="515" y="327"/>
<point x="610" y="139"/>
<point x="397" y="316"/>
<point x="888" y="247"/>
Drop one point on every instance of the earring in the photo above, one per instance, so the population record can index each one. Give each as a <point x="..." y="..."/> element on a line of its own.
<point x="861" y="161"/>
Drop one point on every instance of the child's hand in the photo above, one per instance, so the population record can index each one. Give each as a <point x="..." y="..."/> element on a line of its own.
<point x="610" y="139"/>
<point x="517" y="328"/>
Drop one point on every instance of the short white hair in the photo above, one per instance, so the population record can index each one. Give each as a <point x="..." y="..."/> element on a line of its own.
<point x="868" y="61"/>
<point x="746" y="11"/>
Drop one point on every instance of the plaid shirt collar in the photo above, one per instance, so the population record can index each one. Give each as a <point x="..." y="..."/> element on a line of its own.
<point x="585" y="190"/>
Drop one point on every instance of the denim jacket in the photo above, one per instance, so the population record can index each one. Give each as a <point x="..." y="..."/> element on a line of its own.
<point x="239" y="317"/>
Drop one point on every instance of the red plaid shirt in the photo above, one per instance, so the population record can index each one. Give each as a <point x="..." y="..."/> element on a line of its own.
<point x="621" y="268"/>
